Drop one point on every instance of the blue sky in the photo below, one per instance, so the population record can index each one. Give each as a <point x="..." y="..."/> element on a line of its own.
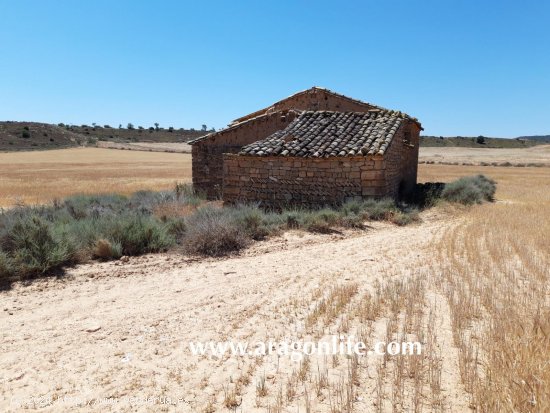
<point x="462" y="67"/>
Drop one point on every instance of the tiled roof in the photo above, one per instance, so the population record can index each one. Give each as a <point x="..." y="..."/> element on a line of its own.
<point x="324" y="134"/>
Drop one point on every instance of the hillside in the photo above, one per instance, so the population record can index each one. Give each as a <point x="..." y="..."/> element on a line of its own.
<point x="474" y="142"/>
<point x="16" y="136"/>
<point x="136" y="134"/>
<point x="539" y="138"/>
<point x="24" y="136"/>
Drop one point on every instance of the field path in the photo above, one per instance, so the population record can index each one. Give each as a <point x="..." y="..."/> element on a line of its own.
<point x="120" y="329"/>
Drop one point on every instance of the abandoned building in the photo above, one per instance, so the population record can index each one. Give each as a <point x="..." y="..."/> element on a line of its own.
<point x="315" y="147"/>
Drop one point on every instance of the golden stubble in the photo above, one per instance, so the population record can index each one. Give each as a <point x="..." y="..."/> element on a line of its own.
<point x="39" y="177"/>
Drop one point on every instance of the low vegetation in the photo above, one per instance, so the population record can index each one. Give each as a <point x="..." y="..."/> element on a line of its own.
<point x="35" y="240"/>
<point x="481" y="141"/>
<point x="470" y="190"/>
<point x="19" y="136"/>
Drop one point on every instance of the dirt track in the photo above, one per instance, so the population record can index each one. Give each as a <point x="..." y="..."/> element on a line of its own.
<point x="121" y="329"/>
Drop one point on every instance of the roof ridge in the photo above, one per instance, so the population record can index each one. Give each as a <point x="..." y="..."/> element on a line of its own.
<point x="326" y="90"/>
<point x="238" y="125"/>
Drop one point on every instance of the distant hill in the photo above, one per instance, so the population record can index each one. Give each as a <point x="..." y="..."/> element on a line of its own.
<point x="478" y="142"/>
<point x="538" y="138"/>
<point x="137" y="134"/>
<point x="24" y="136"/>
<point x="16" y="136"/>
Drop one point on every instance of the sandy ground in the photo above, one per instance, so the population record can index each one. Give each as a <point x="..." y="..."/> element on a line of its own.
<point x="121" y="328"/>
<point x="109" y="331"/>
<point x="536" y="154"/>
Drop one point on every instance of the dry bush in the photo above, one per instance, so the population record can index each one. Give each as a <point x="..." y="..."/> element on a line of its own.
<point x="213" y="231"/>
<point x="105" y="250"/>
<point x="173" y="210"/>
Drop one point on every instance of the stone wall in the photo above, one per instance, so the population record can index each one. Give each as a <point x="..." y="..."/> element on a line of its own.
<point x="401" y="160"/>
<point x="207" y="154"/>
<point x="280" y="181"/>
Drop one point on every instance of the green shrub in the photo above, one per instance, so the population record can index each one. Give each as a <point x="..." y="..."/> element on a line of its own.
<point x="403" y="218"/>
<point x="330" y="216"/>
<point x="352" y="207"/>
<point x="85" y="206"/>
<point x="213" y="231"/>
<point x="176" y="227"/>
<point x="379" y="209"/>
<point x="36" y="247"/>
<point x="294" y="218"/>
<point x="253" y="220"/>
<point x="139" y="234"/>
<point x="7" y="271"/>
<point x="322" y="221"/>
<point x="352" y="220"/>
<point x="470" y="190"/>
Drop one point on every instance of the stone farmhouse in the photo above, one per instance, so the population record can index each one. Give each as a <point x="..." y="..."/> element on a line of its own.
<point x="315" y="147"/>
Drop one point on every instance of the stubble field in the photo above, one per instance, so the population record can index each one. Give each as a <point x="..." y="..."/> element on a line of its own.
<point x="471" y="284"/>
<point x="40" y="176"/>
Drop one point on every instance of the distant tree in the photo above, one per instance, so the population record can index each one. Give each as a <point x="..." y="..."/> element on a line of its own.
<point x="26" y="128"/>
<point x="120" y="125"/>
<point x="61" y="125"/>
<point x="481" y="140"/>
<point x="171" y="129"/>
<point x="140" y="127"/>
<point x="156" y="126"/>
<point x="106" y="126"/>
<point x="94" y="124"/>
<point x="204" y="128"/>
<point x="26" y="134"/>
<point x="212" y="129"/>
<point x="130" y="126"/>
<point x="151" y="129"/>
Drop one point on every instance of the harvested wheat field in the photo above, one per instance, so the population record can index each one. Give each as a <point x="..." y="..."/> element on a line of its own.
<point x="471" y="285"/>
<point x="534" y="156"/>
<point x="38" y="177"/>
